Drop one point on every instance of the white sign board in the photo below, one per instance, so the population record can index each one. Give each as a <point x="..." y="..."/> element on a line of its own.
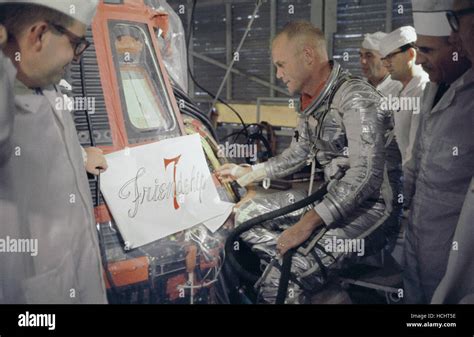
<point x="158" y="189"/>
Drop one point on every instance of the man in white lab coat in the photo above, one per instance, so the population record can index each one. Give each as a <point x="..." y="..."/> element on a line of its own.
<point x="44" y="196"/>
<point x="438" y="174"/>
<point x="13" y="267"/>
<point x="398" y="56"/>
<point x="457" y="285"/>
<point x="373" y="68"/>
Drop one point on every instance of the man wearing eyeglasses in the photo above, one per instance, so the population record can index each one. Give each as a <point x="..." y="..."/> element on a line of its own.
<point x="438" y="174"/>
<point x="461" y="20"/>
<point x="398" y="56"/>
<point x="372" y="65"/>
<point x="44" y="191"/>
<point x="457" y="285"/>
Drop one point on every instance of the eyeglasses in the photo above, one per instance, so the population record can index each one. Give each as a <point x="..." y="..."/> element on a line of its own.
<point x="453" y="17"/>
<point x="79" y="44"/>
<point x="389" y="57"/>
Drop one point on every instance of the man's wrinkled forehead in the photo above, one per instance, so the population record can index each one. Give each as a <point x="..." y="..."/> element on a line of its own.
<point x="280" y="46"/>
<point x="432" y="42"/>
<point x="295" y="44"/>
<point x="365" y="51"/>
<point x="281" y="41"/>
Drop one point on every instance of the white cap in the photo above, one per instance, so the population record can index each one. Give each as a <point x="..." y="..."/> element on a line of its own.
<point x="429" y="17"/>
<point x="372" y="41"/>
<point x="399" y="37"/>
<point x="80" y="10"/>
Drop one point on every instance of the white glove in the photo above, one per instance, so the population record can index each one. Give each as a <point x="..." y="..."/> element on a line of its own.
<point x="257" y="174"/>
<point x="230" y="172"/>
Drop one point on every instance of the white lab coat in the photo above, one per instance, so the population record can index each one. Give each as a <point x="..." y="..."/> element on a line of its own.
<point x="407" y="121"/>
<point x="7" y="78"/>
<point x="47" y="183"/>
<point x="457" y="285"/>
<point x="437" y="177"/>
<point x="389" y="87"/>
<point x="13" y="266"/>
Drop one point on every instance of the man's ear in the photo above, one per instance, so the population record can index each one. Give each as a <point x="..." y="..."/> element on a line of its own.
<point x="35" y="35"/>
<point x="412" y="54"/>
<point x="308" y="55"/>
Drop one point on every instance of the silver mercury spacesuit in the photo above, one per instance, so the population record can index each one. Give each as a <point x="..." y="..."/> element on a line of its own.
<point x="342" y="127"/>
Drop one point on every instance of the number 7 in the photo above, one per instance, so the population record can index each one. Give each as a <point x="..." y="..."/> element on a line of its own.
<point x="174" y="160"/>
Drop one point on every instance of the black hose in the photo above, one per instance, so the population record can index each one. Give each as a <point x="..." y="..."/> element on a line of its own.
<point x="103" y="252"/>
<point x="285" y="277"/>
<point x="84" y="94"/>
<point x="245" y="226"/>
<point x="254" y="138"/>
<point x="90" y="128"/>
<point x="286" y="265"/>
<point x="191" y="109"/>
<point x="207" y="126"/>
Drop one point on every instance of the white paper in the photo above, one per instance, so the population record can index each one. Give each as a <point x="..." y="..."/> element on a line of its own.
<point x="215" y="223"/>
<point x="158" y="189"/>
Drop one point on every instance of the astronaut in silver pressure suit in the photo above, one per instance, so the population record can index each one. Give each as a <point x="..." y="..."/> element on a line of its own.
<point x="341" y="126"/>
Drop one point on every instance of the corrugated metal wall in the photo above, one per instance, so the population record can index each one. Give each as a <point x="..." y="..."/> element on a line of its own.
<point x="85" y="81"/>
<point x="401" y="14"/>
<point x="354" y="18"/>
<point x="357" y="17"/>
<point x="255" y="53"/>
<point x="210" y="40"/>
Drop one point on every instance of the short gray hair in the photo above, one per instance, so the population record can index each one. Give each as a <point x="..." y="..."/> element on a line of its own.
<point x="305" y="31"/>
<point x="17" y="16"/>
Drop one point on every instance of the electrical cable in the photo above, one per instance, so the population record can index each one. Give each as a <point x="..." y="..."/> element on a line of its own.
<point x="97" y="190"/>
<point x="190" y="30"/>
<point x="285" y="277"/>
<point x="241" y="43"/>
<point x="247" y="225"/>
<point x="103" y="253"/>
<point x="188" y="107"/>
